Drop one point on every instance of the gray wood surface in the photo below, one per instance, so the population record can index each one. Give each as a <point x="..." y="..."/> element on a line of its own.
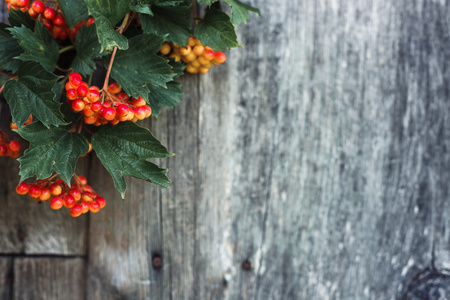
<point x="313" y="164"/>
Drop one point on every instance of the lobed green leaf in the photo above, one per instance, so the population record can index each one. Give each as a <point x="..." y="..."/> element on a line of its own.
<point x="32" y="93"/>
<point x="54" y="149"/>
<point x="74" y="11"/>
<point x="88" y="47"/>
<point x="172" y="22"/>
<point x="240" y="11"/>
<point x="168" y="97"/>
<point x="124" y="149"/>
<point x="134" y="68"/>
<point x="39" y="45"/>
<point x="216" y="30"/>
<point x="9" y="49"/>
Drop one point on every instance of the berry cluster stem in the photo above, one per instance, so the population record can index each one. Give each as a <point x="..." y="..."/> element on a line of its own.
<point x="108" y="72"/>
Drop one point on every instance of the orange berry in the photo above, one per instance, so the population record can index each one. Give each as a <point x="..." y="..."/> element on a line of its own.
<point x="198" y="50"/>
<point x="76" y="210"/>
<point x="165" y="48"/>
<point x="45" y="194"/>
<point x="22" y="188"/>
<point x="56" y="203"/>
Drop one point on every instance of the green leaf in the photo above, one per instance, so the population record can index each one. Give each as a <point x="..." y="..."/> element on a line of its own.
<point x="54" y="149"/>
<point x="134" y="68"/>
<point x="177" y="67"/>
<point x="144" y="6"/>
<point x="160" y="96"/>
<point x="216" y="30"/>
<point x="39" y="45"/>
<point x="107" y="13"/>
<point x="124" y="149"/>
<point x="240" y="11"/>
<point x="18" y="18"/>
<point x="209" y="2"/>
<point x="74" y="11"/>
<point x="88" y="47"/>
<point x="172" y="22"/>
<point x="31" y="93"/>
<point x="9" y="49"/>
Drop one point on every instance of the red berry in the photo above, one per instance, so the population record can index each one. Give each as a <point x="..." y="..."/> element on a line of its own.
<point x="147" y="110"/>
<point x="45" y="194"/>
<point x="109" y="113"/>
<point x="56" y="202"/>
<point x="55" y="189"/>
<point x="101" y="201"/>
<point x="69" y="201"/>
<point x="96" y="106"/>
<point x="114" y="88"/>
<point x="23" y="3"/>
<point x="48" y="24"/>
<point x="71" y="94"/>
<point x="123" y="97"/>
<point x="76" y="210"/>
<point x="93" y="95"/>
<point x="83" y="180"/>
<point x="208" y="54"/>
<point x="85" y="206"/>
<point x="75" y="193"/>
<point x="32" y="13"/>
<point x="38" y="6"/>
<point x="14" y="146"/>
<point x="78" y="105"/>
<point x="94" y="206"/>
<point x="22" y="188"/>
<point x="49" y="13"/>
<point x="82" y="91"/>
<point x="3" y="150"/>
<point x="59" y="20"/>
<point x="139" y="113"/>
<point x="75" y="79"/>
<point x="90" y="21"/>
<point x="34" y="191"/>
<point x="63" y="35"/>
<point x="123" y="110"/>
<point x="139" y="101"/>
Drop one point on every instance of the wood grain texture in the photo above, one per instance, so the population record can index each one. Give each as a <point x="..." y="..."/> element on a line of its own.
<point x="312" y="165"/>
<point x="6" y="278"/>
<point x="49" y="278"/>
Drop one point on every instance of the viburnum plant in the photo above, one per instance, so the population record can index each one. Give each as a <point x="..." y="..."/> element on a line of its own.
<point x="48" y="54"/>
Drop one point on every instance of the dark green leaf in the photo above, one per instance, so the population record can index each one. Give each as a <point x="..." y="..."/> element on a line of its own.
<point x="39" y="45"/>
<point x="173" y="22"/>
<point x="51" y="150"/>
<point x="134" y="68"/>
<point x="31" y="93"/>
<point x="74" y="11"/>
<point x="17" y="18"/>
<point x="240" y="11"/>
<point x="107" y="13"/>
<point x="177" y="67"/>
<point x="169" y="97"/>
<point x="123" y="150"/>
<point x="88" y="47"/>
<point x="9" y="49"/>
<point x="209" y="2"/>
<point x="145" y="6"/>
<point x="216" y="30"/>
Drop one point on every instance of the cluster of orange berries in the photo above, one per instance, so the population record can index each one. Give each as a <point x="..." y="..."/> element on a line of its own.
<point x="52" y="19"/>
<point x="198" y="58"/>
<point x="7" y="147"/>
<point x="79" y="198"/>
<point x="116" y="106"/>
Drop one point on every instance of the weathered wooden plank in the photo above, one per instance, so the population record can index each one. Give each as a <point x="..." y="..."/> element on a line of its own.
<point x="6" y="278"/>
<point x="311" y="158"/>
<point x="49" y="278"/>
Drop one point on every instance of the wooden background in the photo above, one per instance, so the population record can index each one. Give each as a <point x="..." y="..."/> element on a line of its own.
<point x="314" y="164"/>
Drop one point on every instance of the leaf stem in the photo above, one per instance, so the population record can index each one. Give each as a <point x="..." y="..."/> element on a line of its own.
<point x="113" y="55"/>
<point x="194" y="9"/>
<point x="70" y="47"/>
<point x="2" y="88"/>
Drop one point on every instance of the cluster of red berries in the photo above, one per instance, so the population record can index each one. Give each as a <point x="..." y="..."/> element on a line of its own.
<point x="18" y="4"/>
<point x="79" y="199"/>
<point x="198" y="58"/>
<point x="52" y="18"/>
<point x="7" y="147"/>
<point x="115" y="106"/>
